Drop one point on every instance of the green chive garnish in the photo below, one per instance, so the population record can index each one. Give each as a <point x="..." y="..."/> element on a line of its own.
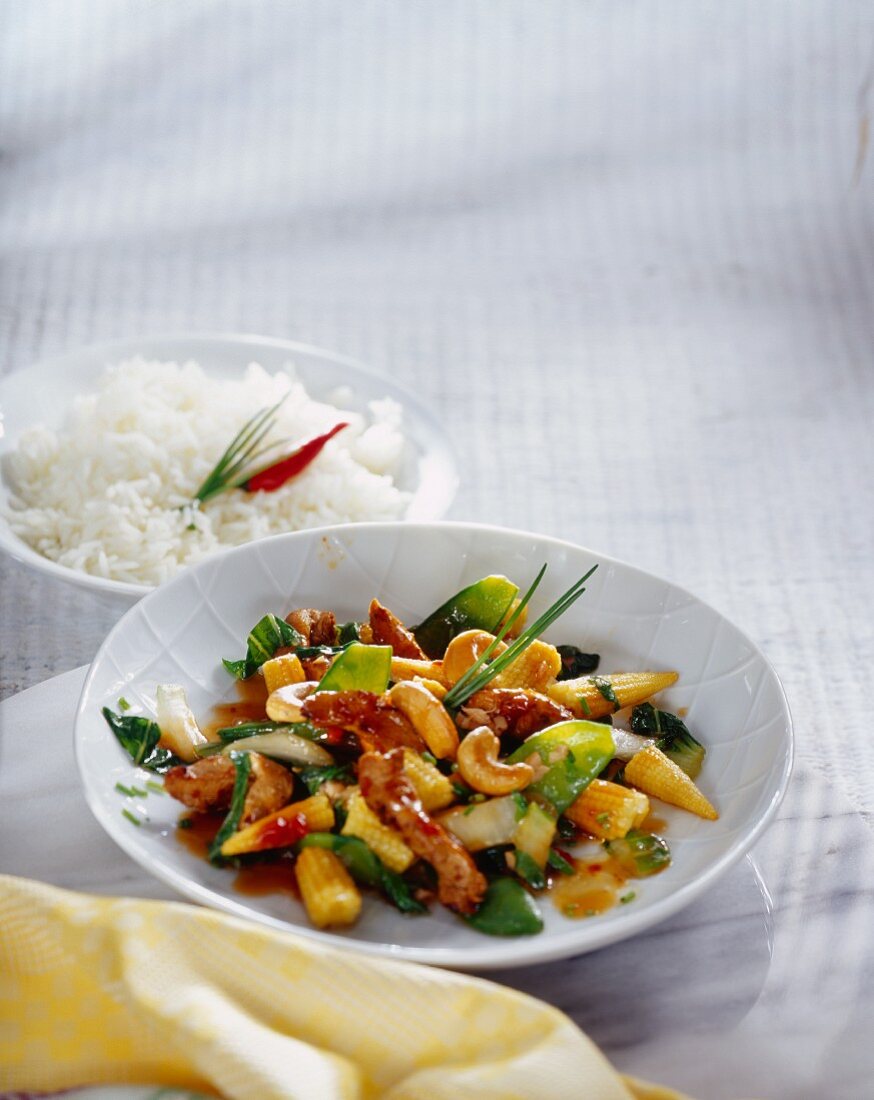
<point x="482" y="671"/>
<point x="134" y="820"/>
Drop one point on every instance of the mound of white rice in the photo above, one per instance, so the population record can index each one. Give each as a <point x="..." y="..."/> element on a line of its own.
<point x="110" y="493"/>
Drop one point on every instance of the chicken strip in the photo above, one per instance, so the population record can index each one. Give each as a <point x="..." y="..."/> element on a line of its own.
<point x="517" y="712"/>
<point x="208" y="784"/>
<point x="315" y="627"/>
<point x="387" y="629"/>
<point x="374" y="721"/>
<point x="389" y="793"/>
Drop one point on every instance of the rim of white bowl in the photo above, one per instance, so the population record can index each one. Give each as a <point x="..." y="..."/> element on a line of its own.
<point x="20" y="551"/>
<point x="505" y="954"/>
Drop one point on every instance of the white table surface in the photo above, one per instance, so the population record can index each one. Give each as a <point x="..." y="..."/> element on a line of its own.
<point x="624" y="250"/>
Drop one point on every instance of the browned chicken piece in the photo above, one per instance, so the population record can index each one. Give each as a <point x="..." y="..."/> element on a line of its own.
<point x="514" y="711"/>
<point x="204" y="785"/>
<point x="375" y="722"/>
<point x="270" y="787"/>
<point x="208" y="784"/>
<point x="316" y="627"/>
<point x="314" y="668"/>
<point x="391" y="795"/>
<point x="387" y="629"/>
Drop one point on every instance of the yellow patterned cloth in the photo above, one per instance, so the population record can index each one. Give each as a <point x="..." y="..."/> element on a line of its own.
<point x="96" y="990"/>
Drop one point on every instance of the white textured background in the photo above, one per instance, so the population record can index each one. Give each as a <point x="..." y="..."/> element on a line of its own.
<point x="625" y="248"/>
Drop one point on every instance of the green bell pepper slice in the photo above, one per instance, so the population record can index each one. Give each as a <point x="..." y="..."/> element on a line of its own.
<point x="480" y="606"/>
<point x="590" y="749"/>
<point x="359" y="668"/>
<point x="507" y="910"/>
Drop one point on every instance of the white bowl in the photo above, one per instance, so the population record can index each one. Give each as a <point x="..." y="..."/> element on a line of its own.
<point x="45" y="392"/>
<point x="180" y="632"/>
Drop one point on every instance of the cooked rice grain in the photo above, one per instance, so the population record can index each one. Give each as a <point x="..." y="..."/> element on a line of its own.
<point x="108" y="493"/>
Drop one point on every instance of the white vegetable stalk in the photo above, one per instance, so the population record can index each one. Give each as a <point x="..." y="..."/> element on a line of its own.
<point x="179" y="729"/>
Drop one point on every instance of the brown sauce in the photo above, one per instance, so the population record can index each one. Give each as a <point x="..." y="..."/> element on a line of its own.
<point x="654" y="824"/>
<point x="253" y="880"/>
<point x="249" y="707"/>
<point x="258" y="879"/>
<point x="197" y="836"/>
<point x="594" y="887"/>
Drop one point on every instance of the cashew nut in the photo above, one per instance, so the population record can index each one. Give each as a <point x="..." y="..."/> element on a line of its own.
<point x="480" y="768"/>
<point x="428" y="717"/>
<point x="409" y="668"/>
<point x="283" y="705"/>
<point x="464" y="649"/>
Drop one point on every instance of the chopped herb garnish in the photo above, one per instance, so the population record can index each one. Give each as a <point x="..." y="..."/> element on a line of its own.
<point x="603" y="819"/>
<point x="626" y="898"/>
<point x="123" y="704"/>
<point x="606" y="689"/>
<point x="184" y="823"/>
<point x="131" y="817"/>
<point x="156" y="788"/>
<point x="122" y="789"/>
<point x="484" y="670"/>
<point x="584" y="705"/>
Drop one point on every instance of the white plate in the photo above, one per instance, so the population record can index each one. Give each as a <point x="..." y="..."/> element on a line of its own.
<point x="44" y="394"/>
<point x="180" y="632"/>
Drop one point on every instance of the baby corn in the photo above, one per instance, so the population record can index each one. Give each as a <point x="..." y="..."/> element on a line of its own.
<point x="362" y="822"/>
<point x="283" y="827"/>
<point x="657" y="775"/>
<point x="327" y="891"/>
<point x="432" y="786"/>
<point x="281" y="671"/>
<point x="607" y="810"/>
<point x="595" y="696"/>
<point x="536" y="667"/>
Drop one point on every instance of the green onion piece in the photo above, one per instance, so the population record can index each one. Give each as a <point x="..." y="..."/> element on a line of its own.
<point x="481" y="673"/>
<point x="243" y="765"/>
<point x="131" y="817"/>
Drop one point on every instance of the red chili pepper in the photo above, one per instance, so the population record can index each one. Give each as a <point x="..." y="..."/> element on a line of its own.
<point x="283" y="832"/>
<point x="273" y="477"/>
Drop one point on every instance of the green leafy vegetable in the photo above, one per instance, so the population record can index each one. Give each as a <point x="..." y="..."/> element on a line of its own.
<point x="575" y="663"/>
<point x="265" y="637"/>
<point x="348" y="632"/>
<point x="243" y="766"/>
<point x="367" y="868"/>
<point x="674" y="738"/>
<point x="558" y="863"/>
<point x="527" y="869"/>
<point x="315" y="776"/>
<point x="507" y="910"/>
<point x="640" y="854"/>
<point x="139" y="738"/>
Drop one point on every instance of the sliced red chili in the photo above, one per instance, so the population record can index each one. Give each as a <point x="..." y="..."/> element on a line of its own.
<point x="276" y="475"/>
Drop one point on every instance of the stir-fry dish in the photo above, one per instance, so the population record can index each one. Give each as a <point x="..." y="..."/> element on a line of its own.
<point x="464" y="761"/>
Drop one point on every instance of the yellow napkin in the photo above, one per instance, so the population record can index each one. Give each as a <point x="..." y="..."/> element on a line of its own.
<point x="97" y="990"/>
